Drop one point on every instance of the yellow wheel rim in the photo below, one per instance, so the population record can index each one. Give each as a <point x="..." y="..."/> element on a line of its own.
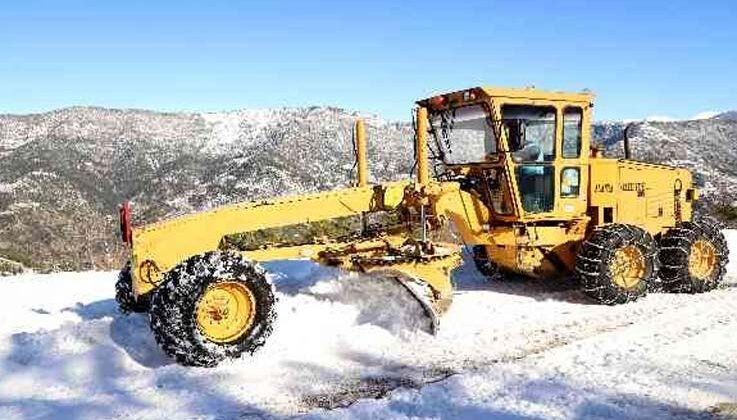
<point x="225" y="311"/>
<point x="628" y="267"/>
<point x="702" y="259"/>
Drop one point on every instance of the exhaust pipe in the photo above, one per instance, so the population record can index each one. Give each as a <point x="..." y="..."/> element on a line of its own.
<point x="423" y="174"/>
<point x="627" y="154"/>
<point x="360" y="133"/>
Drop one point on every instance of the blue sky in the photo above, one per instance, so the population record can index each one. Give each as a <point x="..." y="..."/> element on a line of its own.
<point x="641" y="58"/>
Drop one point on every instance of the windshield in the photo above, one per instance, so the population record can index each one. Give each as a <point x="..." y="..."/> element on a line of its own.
<point x="464" y="135"/>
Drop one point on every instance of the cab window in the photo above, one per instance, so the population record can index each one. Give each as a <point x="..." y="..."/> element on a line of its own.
<point x="499" y="195"/>
<point x="465" y="135"/>
<point x="536" y="187"/>
<point x="530" y="132"/>
<point x="570" y="182"/>
<point x="572" y="118"/>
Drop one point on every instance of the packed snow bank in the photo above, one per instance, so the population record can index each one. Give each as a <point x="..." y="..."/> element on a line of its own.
<point x="513" y="348"/>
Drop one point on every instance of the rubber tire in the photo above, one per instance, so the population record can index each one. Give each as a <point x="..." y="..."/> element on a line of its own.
<point x="594" y="259"/>
<point x="127" y="301"/>
<point x="173" y="306"/>
<point x="675" y="247"/>
<point x="483" y="264"/>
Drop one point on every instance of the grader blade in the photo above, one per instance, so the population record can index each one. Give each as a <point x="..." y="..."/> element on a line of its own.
<point x="415" y="303"/>
<point x="388" y="299"/>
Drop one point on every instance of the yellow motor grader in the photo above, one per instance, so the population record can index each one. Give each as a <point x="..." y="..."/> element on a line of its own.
<point x="508" y="174"/>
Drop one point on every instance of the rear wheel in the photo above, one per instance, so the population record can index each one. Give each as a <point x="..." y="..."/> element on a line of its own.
<point x="617" y="264"/>
<point x="694" y="256"/>
<point x="212" y="307"/>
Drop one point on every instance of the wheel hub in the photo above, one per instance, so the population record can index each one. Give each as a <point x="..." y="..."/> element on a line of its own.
<point x="225" y="311"/>
<point x="702" y="259"/>
<point x="628" y="267"/>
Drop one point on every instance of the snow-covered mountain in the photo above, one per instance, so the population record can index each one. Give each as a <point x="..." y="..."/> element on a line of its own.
<point x="729" y="115"/>
<point x="63" y="173"/>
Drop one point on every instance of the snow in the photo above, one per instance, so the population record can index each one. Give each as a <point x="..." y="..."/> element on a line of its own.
<point x="230" y="127"/>
<point x="6" y="188"/>
<point x="705" y="115"/>
<point x="661" y="118"/>
<point x="510" y="349"/>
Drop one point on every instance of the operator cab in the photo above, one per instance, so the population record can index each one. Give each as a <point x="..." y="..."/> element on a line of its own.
<point x="485" y="134"/>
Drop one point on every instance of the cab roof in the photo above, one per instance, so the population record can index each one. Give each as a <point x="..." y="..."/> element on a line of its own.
<point x="533" y="93"/>
<point x="530" y="93"/>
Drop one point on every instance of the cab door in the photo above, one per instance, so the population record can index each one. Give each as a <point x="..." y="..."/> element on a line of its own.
<point x="548" y="143"/>
<point x="531" y="136"/>
<point x="572" y="160"/>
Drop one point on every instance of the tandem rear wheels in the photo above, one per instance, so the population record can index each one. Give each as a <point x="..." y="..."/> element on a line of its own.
<point x="620" y="263"/>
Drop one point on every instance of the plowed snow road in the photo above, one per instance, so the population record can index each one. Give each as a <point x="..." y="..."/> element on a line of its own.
<point x="514" y="349"/>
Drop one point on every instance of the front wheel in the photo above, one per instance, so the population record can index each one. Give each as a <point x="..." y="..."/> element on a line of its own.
<point x="212" y="307"/>
<point x="618" y="263"/>
<point x="482" y="261"/>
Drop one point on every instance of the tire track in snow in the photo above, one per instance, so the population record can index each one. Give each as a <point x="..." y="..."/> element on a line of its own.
<point x="349" y="392"/>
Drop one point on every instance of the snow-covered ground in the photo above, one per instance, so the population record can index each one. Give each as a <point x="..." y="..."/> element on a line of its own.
<point x="511" y="349"/>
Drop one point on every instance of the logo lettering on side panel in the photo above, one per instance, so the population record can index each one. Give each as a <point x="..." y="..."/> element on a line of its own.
<point x="604" y="188"/>
<point x="633" y="186"/>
